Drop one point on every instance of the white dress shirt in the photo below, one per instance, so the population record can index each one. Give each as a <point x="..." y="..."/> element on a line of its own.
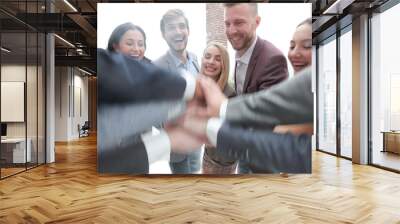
<point x="242" y="63"/>
<point x="214" y="124"/>
<point x="158" y="145"/>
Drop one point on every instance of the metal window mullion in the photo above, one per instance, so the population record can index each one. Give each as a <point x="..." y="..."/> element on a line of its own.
<point x="26" y="87"/>
<point x="369" y="91"/>
<point x="317" y="96"/>
<point x="37" y="91"/>
<point x="0" y="90"/>
<point x="338" y="98"/>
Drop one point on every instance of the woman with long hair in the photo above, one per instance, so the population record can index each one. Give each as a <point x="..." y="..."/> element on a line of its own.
<point x="130" y="40"/>
<point x="215" y="64"/>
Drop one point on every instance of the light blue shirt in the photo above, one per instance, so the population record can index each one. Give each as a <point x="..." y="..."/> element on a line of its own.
<point x="188" y="66"/>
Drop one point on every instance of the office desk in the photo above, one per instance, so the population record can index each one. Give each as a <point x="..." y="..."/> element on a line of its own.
<point x="13" y="150"/>
<point x="391" y="141"/>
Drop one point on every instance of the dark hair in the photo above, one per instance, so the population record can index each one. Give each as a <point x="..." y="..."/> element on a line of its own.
<point x="170" y="15"/>
<point x="119" y="31"/>
<point x="307" y="22"/>
<point x="253" y="6"/>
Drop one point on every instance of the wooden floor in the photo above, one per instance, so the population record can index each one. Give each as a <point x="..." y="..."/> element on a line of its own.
<point x="71" y="191"/>
<point x="10" y="171"/>
<point x="387" y="159"/>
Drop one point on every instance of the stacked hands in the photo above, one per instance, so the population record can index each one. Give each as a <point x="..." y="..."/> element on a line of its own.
<point x="188" y="132"/>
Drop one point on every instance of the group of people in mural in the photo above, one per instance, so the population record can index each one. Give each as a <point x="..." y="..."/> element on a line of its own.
<point x="260" y="124"/>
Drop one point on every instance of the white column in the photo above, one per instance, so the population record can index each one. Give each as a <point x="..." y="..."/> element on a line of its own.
<point x="360" y="90"/>
<point x="50" y="99"/>
<point x="314" y="90"/>
<point x="50" y="93"/>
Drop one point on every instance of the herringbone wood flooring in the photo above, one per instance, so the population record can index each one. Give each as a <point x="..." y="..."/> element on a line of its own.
<point x="71" y="191"/>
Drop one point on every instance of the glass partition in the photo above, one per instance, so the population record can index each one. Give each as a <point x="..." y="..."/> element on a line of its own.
<point x="41" y="109"/>
<point x="385" y="89"/>
<point x="31" y="100"/>
<point x="346" y="93"/>
<point x="22" y="90"/>
<point x="14" y="154"/>
<point x="327" y="96"/>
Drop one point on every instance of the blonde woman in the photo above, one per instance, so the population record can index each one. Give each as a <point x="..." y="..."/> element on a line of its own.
<point x="215" y="64"/>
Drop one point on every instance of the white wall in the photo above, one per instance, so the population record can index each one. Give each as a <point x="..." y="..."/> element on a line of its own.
<point x="79" y="117"/>
<point x="33" y="126"/>
<point x="68" y="83"/>
<point x="12" y="73"/>
<point x="61" y="103"/>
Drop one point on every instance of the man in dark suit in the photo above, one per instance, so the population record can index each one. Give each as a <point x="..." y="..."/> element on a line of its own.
<point x="259" y="64"/>
<point x="126" y="108"/>
<point x="289" y="102"/>
<point x="175" y="30"/>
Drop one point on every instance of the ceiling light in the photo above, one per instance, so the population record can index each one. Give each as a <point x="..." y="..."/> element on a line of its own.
<point x="65" y="41"/>
<point x="86" y="72"/>
<point x="5" y="50"/>
<point x="70" y="5"/>
<point x="338" y="6"/>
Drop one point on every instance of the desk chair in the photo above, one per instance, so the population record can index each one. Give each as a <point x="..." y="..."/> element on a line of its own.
<point x="84" y="130"/>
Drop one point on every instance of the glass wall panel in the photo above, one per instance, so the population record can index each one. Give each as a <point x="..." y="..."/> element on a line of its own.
<point x="32" y="87"/>
<point x="41" y="98"/>
<point x="385" y="87"/>
<point x="13" y="108"/>
<point x="346" y="94"/>
<point x="22" y="89"/>
<point x="31" y="100"/>
<point x="327" y="96"/>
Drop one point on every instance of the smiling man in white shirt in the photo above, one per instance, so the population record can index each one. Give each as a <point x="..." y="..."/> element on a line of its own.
<point x="174" y="27"/>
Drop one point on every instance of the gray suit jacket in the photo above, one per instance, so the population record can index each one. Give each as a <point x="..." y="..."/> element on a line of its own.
<point x="127" y="107"/>
<point x="290" y="102"/>
<point x="287" y="103"/>
<point x="167" y="62"/>
<point x="265" y="151"/>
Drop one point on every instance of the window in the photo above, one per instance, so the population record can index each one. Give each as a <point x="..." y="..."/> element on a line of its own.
<point x="346" y="93"/>
<point x="385" y="89"/>
<point x="327" y="96"/>
<point x="22" y="68"/>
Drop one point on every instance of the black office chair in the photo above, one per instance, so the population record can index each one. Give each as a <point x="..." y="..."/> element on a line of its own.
<point x="84" y="130"/>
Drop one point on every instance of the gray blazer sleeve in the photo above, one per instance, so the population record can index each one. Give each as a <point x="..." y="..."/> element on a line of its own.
<point x="130" y="156"/>
<point x="122" y="79"/>
<point x="289" y="102"/>
<point x="132" y="97"/>
<point x="265" y="151"/>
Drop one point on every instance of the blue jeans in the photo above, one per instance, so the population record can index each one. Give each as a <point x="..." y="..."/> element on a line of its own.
<point x="191" y="164"/>
<point x="244" y="167"/>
